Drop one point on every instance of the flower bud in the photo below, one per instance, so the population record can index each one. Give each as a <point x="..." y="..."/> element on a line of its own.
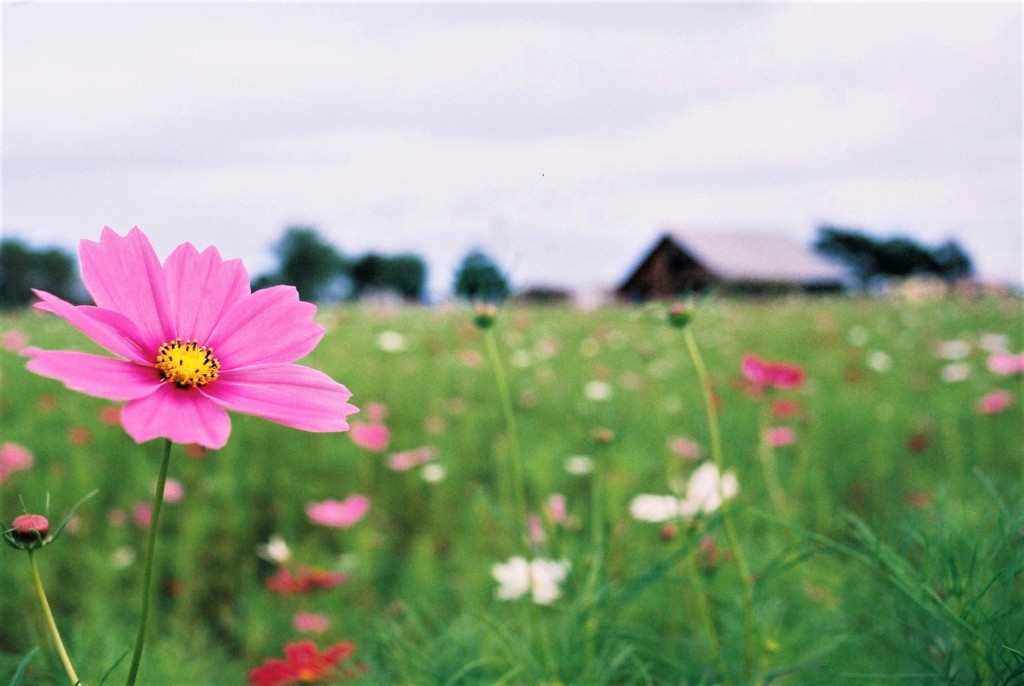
<point x="484" y="315"/>
<point x="679" y="315"/>
<point x="30" y="528"/>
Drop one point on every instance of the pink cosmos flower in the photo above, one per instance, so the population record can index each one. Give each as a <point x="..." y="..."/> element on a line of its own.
<point x="994" y="402"/>
<point x="374" y="437"/>
<point x="1006" y="363"/>
<point x="685" y="447"/>
<point x="762" y="373"/>
<point x="778" y="436"/>
<point x="173" y="491"/>
<point x="339" y="513"/>
<point x="406" y="460"/>
<point x="13" y="458"/>
<point x="142" y="515"/>
<point x="192" y="341"/>
<point x="310" y="622"/>
<point x="13" y="341"/>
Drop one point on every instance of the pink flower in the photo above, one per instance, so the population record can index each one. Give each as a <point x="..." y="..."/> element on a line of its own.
<point x="13" y="458"/>
<point x="762" y="373"/>
<point x="142" y="515"/>
<point x="1006" y="363"/>
<point x="110" y="414"/>
<point x="405" y="461"/>
<point x="339" y="513"/>
<point x="994" y="402"/>
<point x="304" y="580"/>
<point x="557" y="511"/>
<point x="685" y="447"/>
<point x="373" y="437"/>
<point x="310" y="622"/>
<point x="191" y="342"/>
<point x="13" y="341"/>
<point x="173" y="491"/>
<point x="778" y="436"/>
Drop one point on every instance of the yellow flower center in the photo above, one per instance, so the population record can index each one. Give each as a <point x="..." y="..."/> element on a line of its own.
<point x="307" y="674"/>
<point x="187" y="364"/>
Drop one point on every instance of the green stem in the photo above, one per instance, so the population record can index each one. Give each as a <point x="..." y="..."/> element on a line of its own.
<point x="705" y="613"/>
<point x="771" y="470"/>
<point x="147" y="580"/>
<point x="64" y="659"/>
<point x="518" y="484"/>
<point x="749" y="629"/>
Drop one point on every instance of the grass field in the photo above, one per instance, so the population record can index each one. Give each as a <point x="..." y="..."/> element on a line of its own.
<point x="883" y="536"/>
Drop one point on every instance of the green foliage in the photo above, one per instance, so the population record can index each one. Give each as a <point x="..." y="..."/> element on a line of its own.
<point x="478" y="278"/>
<point x="404" y="275"/>
<point x="891" y="561"/>
<point x="23" y="268"/>
<point x="896" y="257"/>
<point x="308" y="262"/>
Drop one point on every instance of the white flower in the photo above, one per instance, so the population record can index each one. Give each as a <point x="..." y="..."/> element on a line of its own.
<point x="994" y="342"/>
<point x="432" y="473"/>
<point x="707" y="490"/>
<point x="954" y="350"/>
<point x="647" y="507"/>
<point x="123" y="557"/>
<point x="880" y="361"/>
<point x="521" y="359"/>
<point x="275" y="550"/>
<point x="579" y="465"/>
<point x="957" y="371"/>
<point x="598" y="390"/>
<point x="391" y="341"/>
<point x="540" y="578"/>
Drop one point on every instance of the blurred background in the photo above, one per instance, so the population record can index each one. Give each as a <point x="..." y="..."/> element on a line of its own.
<point x="560" y="141"/>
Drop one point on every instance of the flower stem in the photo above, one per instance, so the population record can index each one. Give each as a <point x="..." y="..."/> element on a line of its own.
<point x="515" y="459"/>
<point x="704" y="611"/>
<point x="749" y="629"/>
<point x="771" y="470"/>
<point x="64" y="659"/>
<point x="147" y="579"/>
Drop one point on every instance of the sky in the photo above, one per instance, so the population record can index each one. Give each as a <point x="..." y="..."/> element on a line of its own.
<point x="562" y="139"/>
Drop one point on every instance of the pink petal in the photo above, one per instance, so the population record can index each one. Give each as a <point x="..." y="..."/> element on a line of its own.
<point x="106" y="327"/>
<point x="339" y="513"/>
<point x="202" y="287"/>
<point x="103" y="377"/>
<point x="271" y="325"/>
<point x="288" y="394"/>
<point x="181" y="415"/>
<point x="124" y="275"/>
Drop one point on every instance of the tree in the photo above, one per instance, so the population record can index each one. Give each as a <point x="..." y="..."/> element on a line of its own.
<point x="899" y="256"/>
<point x="23" y="268"/>
<point x="953" y="261"/>
<point x="406" y="274"/>
<point x="308" y="262"/>
<point x="852" y="248"/>
<point x="479" y="278"/>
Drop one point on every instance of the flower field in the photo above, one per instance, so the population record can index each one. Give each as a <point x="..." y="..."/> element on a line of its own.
<point x="784" y="491"/>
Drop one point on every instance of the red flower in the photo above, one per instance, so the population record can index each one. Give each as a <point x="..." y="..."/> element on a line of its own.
<point x="762" y="373"/>
<point x="305" y="580"/>
<point x="303" y="664"/>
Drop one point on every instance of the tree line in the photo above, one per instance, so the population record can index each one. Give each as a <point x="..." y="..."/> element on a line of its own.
<point x="305" y="259"/>
<point x="871" y="259"/>
<point x="322" y="273"/>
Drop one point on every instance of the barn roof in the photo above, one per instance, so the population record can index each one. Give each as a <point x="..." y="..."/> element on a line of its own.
<point x="758" y="257"/>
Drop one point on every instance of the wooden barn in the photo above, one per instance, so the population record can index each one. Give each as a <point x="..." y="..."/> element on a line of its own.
<point x="732" y="262"/>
